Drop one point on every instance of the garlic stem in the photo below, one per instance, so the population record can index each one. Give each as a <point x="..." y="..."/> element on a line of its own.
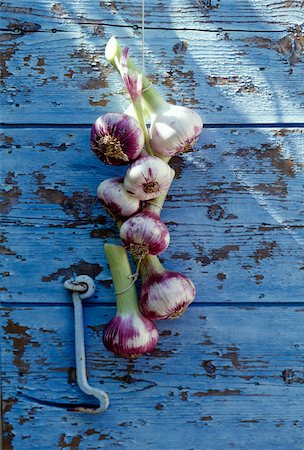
<point x="134" y="84"/>
<point x="153" y="100"/>
<point x="139" y="110"/>
<point x="150" y="263"/>
<point x="126" y="297"/>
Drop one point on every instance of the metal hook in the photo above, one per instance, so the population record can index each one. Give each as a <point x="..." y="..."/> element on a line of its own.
<point x="83" y="287"/>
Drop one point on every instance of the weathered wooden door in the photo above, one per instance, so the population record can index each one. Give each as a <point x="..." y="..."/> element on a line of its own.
<point x="229" y="373"/>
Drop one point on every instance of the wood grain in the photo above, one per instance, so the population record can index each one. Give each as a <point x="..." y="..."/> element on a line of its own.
<point x="235" y="381"/>
<point x="234" y="212"/>
<point x="229" y="77"/>
<point x="246" y="15"/>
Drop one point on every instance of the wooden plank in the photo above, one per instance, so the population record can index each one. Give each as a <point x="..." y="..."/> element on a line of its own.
<point x="234" y="214"/>
<point x="235" y="381"/>
<point x="200" y="15"/>
<point x="235" y="77"/>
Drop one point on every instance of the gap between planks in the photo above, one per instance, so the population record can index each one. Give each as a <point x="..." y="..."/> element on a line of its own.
<point x="20" y="30"/>
<point x="6" y="125"/>
<point x="4" y="305"/>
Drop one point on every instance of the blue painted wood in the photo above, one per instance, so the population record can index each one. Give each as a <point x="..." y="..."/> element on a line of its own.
<point x="223" y="376"/>
<point x="242" y="15"/>
<point x="234" y="381"/>
<point x="234" y="213"/>
<point x="229" y="76"/>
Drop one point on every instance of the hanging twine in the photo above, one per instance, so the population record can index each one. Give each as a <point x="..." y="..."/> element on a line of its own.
<point x="134" y="276"/>
<point x="154" y="204"/>
<point x="143" y="34"/>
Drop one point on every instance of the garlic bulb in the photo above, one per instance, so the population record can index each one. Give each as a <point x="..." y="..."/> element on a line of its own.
<point x="174" y="129"/>
<point x="129" y="333"/>
<point x="164" y="294"/>
<point x="116" y="139"/>
<point x="116" y="200"/>
<point x="148" y="177"/>
<point x="144" y="234"/>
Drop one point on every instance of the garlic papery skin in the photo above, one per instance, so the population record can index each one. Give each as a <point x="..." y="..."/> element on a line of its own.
<point x="116" y="139"/>
<point x="131" y="78"/>
<point x="144" y="234"/>
<point x="174" y="129"/>
<point x="129" y="333"/>
<point x="164" y="294"/>
<point x="116" y="200"/>
<point x="148" y="177"/>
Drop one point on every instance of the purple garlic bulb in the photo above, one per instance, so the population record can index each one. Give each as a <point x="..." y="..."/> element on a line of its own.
<point x="164" y="294"/>
<point x="116" y="139"/>
<point x="116" y="200"/>
<point x="130" y="335"/>
<point x="144" y="234"/>
<point x="148" y="177"/>
<point x="174" y="129"/>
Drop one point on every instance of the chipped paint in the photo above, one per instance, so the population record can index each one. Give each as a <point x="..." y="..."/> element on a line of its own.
<point x="232" y="355"/>
<point x="210" y="368"/>
<point x="159" y="406"/>
<point x="247" y="88"/>
<point x="7" y="428"/>
<point x="103" y="233"/>
<point x="217" y="254"/>
<point x="178" y="164"/>
<point x="39" y="66"/>
<point x="291" y="45"/>
<point x="96" y="83"/>
<point x="206" y="418"/>
<point x="79" y="204"/>
<point x="221" y="276"/>
<point x="73" y="443"/>
<point x="180" y="47"/>
<point x="215" y="212"/>
<point x="8" y="140"/>
<point x="215" y="81"/>
<point x="102" y="102"/>
<point x="289" y="377"/>
<point x="4" y="58"/>
<point x="272" y="152"/>
<point x="208" y="5"/>
<point x="6" y="251"/>
<point x="80" y="268"/>
<point x="10" y="196"/>
<point x="20" y="338"/>
<point x="22" y="27"/>
<point x="159" y="353"/>
<point x="10" y="199"/>
<point x="184" y="256"/>
<point x="277" y="188"/>
<point x="264" y="251"/>
<point x="217" y="393"/>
